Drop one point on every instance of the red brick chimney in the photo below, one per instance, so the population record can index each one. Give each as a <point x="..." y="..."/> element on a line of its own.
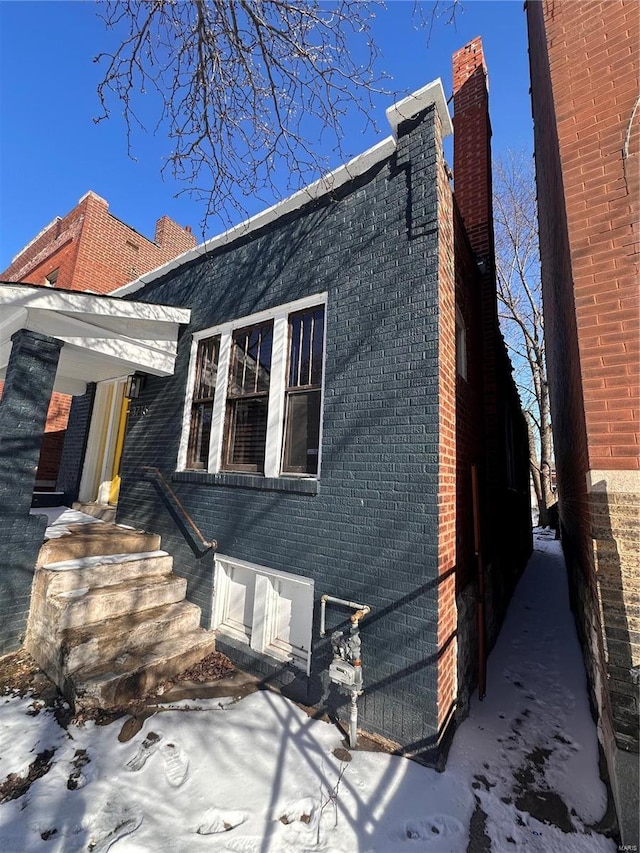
<point x="173" y="238"/>
<point x="472" y="184"/>
<point x="472" y="147"/>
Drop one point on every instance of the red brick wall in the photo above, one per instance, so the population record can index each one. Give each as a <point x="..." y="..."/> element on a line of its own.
<point x="595" y="91"/>
<point x="111" y="254"/>
<point x="94" y="250"/>
<point x="55" y="248"/>
<point x="585" y="71"/>
<point x="447" y="611"/>
<point x="91" y="250"/>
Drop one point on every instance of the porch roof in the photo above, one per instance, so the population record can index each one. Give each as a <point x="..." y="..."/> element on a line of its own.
<point x="104" y="337"/>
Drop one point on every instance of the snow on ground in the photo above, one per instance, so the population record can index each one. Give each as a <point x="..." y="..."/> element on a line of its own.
<point x="259" y="776"/>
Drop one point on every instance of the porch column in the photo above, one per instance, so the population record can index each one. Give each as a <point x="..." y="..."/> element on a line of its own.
<point x="25" y="400"/>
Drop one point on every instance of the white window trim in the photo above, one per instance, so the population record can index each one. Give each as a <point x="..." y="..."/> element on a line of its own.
<point x="264" y="609"/>
<point x="277" y="387"/>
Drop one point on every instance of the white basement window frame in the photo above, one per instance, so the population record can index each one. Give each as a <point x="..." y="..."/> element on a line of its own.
<point x="271" y="611"/>
<point x="218" y="400"/>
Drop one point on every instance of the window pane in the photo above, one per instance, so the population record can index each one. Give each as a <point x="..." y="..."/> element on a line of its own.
<point x="248" y="398"/>
<point x="247" y="433"/>
<point x="295" y="328"/>
<point x="302" y="432"/>
<point x="318" y="342"/>
<point x="200" y="435"/>
<point x="251" y="360"/>
<point x="206" y="368"/>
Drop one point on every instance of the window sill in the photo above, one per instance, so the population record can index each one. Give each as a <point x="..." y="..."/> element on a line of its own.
<point x="293" y="485"/>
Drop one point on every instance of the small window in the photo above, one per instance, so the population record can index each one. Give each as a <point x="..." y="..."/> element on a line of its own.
<point x="461" y="345"/>
<point x="270" y="611"/>
<point x="51" y="279"/>
<point x="303" y="392"/>
<point x="202" y="402"/>
<point x="248" y="398"/>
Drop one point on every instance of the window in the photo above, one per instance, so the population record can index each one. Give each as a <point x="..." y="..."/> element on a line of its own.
<point x="51" y="279"/>
<point x="304" y="382"/>
<point x="202" y="402"/>
<point x="270" y="611"/>
<point x="248" y="398"/>
<point x="254" y="397"/>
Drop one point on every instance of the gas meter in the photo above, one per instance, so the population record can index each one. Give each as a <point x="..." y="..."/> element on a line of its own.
<point x="345" y="673"/>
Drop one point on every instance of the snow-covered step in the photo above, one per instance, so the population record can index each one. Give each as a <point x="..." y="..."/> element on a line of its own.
<point x="133" y="674"/>
<point x="105" y="512"/>
<point x="107" y="640"/>
<point x="105" y="570"/>
<point x="99" y="539"/>
<point x="83" y="605"/>
<point x="108" y="616"/>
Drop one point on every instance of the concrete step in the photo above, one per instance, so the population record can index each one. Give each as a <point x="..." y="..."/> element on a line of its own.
<point x="83" y="646"/>
<point x="136" y="673"/>
<point x="105" y="512"/>
<point x="84" y="606"/>
<point x="100" y="539"/>
<point x="103" y="571"/>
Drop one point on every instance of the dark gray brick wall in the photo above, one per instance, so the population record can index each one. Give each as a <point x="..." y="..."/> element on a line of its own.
<point x="75" y="442"/>
<point x="23" y="410"/>
<point x="370" y="532"/>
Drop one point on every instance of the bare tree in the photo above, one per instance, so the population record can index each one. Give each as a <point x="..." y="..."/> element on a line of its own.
<point x="245" y="90"/>
<point x="520" y="309"/>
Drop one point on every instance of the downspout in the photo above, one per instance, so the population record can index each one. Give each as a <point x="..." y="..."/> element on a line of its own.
<point x="482" y="654"/>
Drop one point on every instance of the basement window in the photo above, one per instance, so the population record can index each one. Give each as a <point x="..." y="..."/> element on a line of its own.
<point x="271" y="611"/>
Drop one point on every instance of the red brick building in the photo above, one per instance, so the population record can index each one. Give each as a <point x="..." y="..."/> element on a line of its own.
<point x="585" y="82"/>
<point x="92" y="250"/>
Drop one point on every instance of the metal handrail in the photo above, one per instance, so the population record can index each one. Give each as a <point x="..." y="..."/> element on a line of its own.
<point x="209" y="545"/>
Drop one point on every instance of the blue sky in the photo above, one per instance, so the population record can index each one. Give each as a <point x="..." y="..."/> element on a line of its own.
<point x="51" y="151"/>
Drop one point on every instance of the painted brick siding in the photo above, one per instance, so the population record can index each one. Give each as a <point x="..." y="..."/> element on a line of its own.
<point x="29" y="379"/>
<point x="371" y="532"/>
<point x="584" y="73"/>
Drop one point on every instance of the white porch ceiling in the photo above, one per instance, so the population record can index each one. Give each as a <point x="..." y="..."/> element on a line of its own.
<point x="104" y="336"/>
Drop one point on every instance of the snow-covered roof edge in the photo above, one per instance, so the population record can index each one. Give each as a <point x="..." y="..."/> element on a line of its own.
<point x="407" y="108"/>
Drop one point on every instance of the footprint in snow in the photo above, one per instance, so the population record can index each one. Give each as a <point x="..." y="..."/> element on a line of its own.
<point x="303" y="810"/>
<point x="77" y="778"/>
<point x="218" y="820"/>
<point x="176" y="764"/>
<point x="432" y="829"/>
<point x="115" y="820"/>
<point x="145" y="751"/>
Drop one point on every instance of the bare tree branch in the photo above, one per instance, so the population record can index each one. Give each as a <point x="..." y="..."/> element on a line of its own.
<point x="241" y="88"/>
<point x="245" y="91"/>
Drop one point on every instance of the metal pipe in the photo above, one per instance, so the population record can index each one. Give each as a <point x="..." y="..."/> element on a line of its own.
<point x="353" y="720"/>
<point x="210" y="545"/>
<point x="361" y="610"/>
